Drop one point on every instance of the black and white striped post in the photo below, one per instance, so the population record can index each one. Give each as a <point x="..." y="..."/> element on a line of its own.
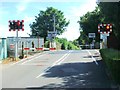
<point x="16" y="25"/>
<point x="104" y="30"/>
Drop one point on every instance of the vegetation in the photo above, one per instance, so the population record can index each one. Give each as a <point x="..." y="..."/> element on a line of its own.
<point x="63" y="44"/>
<point x="110" y="13"/>
<point x="106" y="12"/>
<point x="111" y="57"/>
<point x="89" y="24"/>
<point x="44" y="22"/>
<point x="67" y="45"/>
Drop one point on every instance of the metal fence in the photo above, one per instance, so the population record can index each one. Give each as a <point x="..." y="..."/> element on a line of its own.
<point x="3" y="48"/>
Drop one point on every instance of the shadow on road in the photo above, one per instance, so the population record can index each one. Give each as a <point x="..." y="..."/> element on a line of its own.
<point x="79" y="75"/>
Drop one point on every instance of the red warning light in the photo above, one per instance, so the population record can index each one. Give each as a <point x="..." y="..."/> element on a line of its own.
<point x="107" y="27"/>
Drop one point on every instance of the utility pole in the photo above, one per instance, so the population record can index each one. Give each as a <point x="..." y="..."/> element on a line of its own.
<point x="54" y="22"/>
<point x="55" y="32"/>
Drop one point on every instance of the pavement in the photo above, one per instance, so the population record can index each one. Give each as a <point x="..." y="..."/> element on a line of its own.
<point x="58" y="69"/>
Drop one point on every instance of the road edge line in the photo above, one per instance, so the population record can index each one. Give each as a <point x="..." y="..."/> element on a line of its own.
<point x="92" y="57"/>
<point x="22" y="60"/>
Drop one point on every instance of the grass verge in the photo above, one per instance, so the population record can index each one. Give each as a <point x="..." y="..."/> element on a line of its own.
<point x="111" y="57"/>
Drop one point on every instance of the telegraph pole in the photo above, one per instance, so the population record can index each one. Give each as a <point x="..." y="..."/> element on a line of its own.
<point x="54" y="22"/>
<point x="54" y="30"/>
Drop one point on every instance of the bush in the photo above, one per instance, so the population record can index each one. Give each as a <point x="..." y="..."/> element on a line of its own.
<point x="111" y="58"/>
<point x="66" y="44"/>
<point x="72" y="46"/>
<point x="46" y="45"/>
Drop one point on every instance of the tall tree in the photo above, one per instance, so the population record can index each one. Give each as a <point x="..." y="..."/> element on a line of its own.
<point x="111" y="13"/>
<point x="44" y="22"/>
<point x="89" y="22"/>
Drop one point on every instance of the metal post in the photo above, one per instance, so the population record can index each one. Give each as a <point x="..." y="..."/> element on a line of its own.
<point x="54" y="22"/>
<point x="16" y="45"/>
<point x="27" y="47"/>
<point x="54" y="30"/>
<point x="38" y="41"/>
<point x="105" y="42"/>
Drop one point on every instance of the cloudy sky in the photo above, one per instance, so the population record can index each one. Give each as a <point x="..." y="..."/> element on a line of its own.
<point x="27" y="10"/>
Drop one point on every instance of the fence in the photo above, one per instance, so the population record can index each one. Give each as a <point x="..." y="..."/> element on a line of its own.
<point x="27" y="44"/>
<point x="3" y="48"/>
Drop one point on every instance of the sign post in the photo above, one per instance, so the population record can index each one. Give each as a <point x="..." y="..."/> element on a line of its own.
<point x="104" y="30"/>
<point x="52" y="35"/>
<point x="16" y="45"/>
<point x="92" y="35"/>
<point x="16" y="26"/>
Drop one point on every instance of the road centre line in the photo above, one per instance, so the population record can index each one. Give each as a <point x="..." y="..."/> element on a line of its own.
<point x="63" y="58"/>
<point x="92" y="57"/>
<point x="55" y="63"/>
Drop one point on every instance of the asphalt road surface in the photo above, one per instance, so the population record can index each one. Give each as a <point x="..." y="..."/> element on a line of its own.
<point x="58" y="69"/>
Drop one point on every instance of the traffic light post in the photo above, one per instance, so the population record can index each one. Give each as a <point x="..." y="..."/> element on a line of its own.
<point x="104" y="30"/>
<point x="16" y="26"/>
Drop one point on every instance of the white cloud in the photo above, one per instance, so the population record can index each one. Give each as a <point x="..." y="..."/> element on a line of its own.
<point x="74" y="14"/>
<point x="58" y="0"/>
<point x="6" y="33"/>
<point x="28" y="19"/>
<point x="81" y="10"/>
<point x="22" y="6"/>
<point x="71" y="34"/>
<point x="42" y="0"/>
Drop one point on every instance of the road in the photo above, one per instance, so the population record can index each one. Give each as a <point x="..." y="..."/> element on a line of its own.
<point x="58" y="69"/>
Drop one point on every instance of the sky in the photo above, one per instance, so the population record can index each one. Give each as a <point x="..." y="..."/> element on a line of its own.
<point x="27" y="10"/>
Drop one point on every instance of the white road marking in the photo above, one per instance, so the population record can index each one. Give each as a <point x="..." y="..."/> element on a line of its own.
<point x="59" y="61"/>
<point x="92" y="57"/>
<point x="97" y="51"/>
<point x="63" y="58"/>
<point x="32" y="59"/>
<point x="26" y="59"/>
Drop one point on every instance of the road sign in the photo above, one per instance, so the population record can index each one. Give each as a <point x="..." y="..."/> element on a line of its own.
<point x="91" y="35"/>
<point x="51" y="34"/>
<point x="104" y="36"/>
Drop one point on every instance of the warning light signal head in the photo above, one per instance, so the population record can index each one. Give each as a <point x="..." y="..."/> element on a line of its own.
<point x="107" y="27"/>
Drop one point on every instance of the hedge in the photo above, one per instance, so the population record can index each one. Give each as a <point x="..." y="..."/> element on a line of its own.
<point x="111" y="57"/>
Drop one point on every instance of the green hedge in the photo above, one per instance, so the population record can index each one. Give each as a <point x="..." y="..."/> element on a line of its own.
<point x="112" y="60"/>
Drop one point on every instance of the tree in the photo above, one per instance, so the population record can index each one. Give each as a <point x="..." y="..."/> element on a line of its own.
<point x="106" y="12"/>
<point x="110" y="11"/>
<point x="44" y="22"/>
<point x="83" y="39"/>
<point x="89" y="23"/>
